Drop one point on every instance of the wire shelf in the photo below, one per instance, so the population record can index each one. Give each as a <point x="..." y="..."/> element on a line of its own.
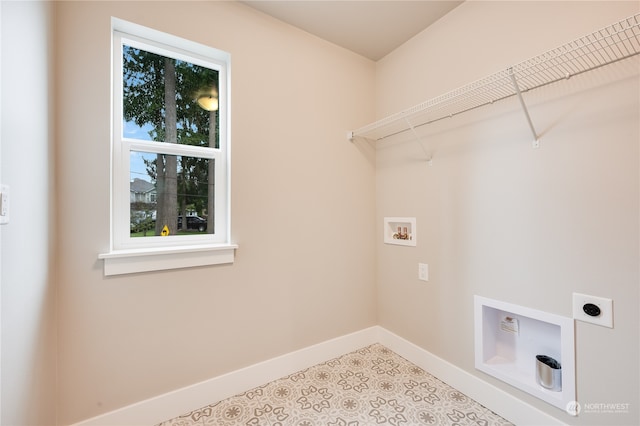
<point x="613" y="43"/>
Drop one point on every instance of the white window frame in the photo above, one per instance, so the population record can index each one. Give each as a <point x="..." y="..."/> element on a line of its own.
<point x="140" y="254"/>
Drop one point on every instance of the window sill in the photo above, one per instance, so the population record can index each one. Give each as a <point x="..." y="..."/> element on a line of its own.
<point x="118" y="262"/>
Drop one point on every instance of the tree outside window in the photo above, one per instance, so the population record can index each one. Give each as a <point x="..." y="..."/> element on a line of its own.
<point x="169" y="101"/>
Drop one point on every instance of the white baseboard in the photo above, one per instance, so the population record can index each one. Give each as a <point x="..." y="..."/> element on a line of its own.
<point x="181" y="401"/>
<point x="506" y="405"/>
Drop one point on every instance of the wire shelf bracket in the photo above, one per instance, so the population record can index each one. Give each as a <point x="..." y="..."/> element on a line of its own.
<point x="418" y="139"/>
<point x="610" y="44"/>
<point x="536" y="141"/>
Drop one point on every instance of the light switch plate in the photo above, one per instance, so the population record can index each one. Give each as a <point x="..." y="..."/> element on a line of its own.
<point x="605" y="318"/>
<point x="4" y="204"/>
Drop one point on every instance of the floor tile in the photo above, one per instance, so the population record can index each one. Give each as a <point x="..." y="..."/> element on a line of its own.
<point x="370" y="386"/>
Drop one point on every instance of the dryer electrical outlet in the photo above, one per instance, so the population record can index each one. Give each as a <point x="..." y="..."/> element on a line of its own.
<point x="593" y="309"/>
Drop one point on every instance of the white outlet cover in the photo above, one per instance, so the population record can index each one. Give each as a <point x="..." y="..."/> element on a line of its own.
<point x="4" y="204"/>
<point x="423" y="272"/>
<point x="605" y="318"/>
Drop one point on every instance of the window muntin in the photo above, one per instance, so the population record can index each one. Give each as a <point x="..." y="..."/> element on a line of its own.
<point x="160" y="95"/>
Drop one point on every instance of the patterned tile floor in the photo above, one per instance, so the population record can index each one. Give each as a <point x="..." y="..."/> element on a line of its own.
<point x="370" y="386"/>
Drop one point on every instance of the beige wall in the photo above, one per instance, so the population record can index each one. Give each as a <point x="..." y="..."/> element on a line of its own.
<point x="28" y="370"/>
<point x="495" y="217"/>
<point x="302" y="203"/>
<point x="500" y="219"/>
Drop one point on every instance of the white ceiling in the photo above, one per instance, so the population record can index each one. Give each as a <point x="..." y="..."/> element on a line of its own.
<point x="372" y="28"/>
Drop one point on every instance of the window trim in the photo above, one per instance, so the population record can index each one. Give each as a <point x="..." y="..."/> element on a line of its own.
<point x="129" y="255"/>
<point x="118" y="262"/>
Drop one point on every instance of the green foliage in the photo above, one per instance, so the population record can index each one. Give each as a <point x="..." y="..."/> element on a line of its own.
<point x="144" y="97"/>
<point x="145" y="104"/>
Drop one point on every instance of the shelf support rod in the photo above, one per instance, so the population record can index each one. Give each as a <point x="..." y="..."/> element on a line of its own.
<point x="419" y="140"/>
<point x="536" y="143"/>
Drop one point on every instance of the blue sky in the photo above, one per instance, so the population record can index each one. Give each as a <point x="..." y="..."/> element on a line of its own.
<point x="138" y="168"/>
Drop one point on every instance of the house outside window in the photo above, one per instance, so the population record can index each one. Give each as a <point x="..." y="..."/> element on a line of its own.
<point x="170" y="146"/>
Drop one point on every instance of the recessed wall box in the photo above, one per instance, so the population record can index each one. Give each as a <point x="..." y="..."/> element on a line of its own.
<point x="511" y="341"/>
<point x="400" y="231"/>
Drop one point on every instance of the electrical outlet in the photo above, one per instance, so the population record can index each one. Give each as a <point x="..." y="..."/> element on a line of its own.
<point x="423" y="272"/>
<point x="593" y="309"/>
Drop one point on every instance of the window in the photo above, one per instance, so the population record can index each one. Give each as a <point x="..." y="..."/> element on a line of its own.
<point x="170" y="152"/>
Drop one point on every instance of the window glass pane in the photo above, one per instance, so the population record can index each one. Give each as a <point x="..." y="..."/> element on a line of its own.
<point x="168" y="100"/>
<point x="165" y="189"/>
